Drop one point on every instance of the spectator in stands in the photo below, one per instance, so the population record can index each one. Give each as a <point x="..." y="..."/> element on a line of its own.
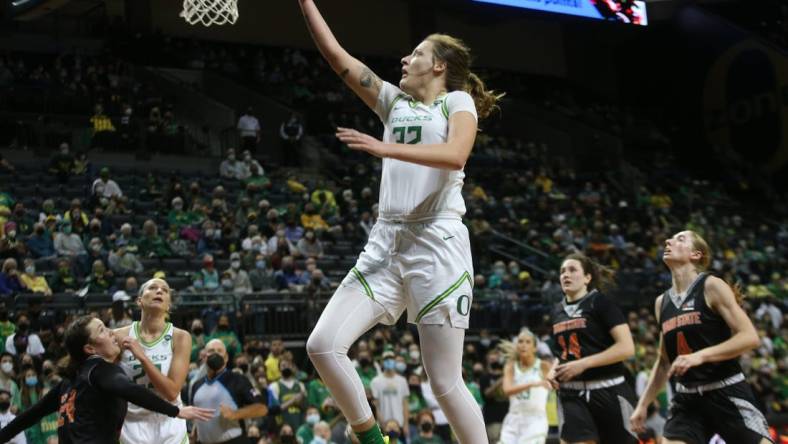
<point x="100" y="279"/>
<point x="390" y="392"/>
<point x="426" y="422"/>
<point x="124" y="262"/>
<point x="33" y="282"/>
<point x="227" y="335"/>
<point x="67" y="243"/>
<point x="126" y="239"/>
<point x="289" y="277"/>
<point x="310" y="245"/>
<point x="251" y="167"/>
<point x="10" y="284"/>
<point x="10" y="243"/>
<point x="151" y="244"/>
<point x="211" y="240"/>
<point x="291" y="394"/>
<point x="104" y="187"/>
<point x="23" y="341"/>
<point x="48" y="210"/>
<point x="291" y="132"/>
<point x="208" y="274"/>
<point x="24" y="223"/>
<point x="249" y="130"/>
<point x="63" y="164"/>
<point x="78" y="218"/>
<point x="305" y="433"/>
<point x="65" y="280"/>
<point x="311" y="219"/>
<point x="178" y="217"/>
<point x="261" y="277"/>
<point x="230" y="167"/>
<point x="102" y="128"/>
<point x="121" y="315"/>
<point x="128" y="127"/>
<point x="240" y="279"/>
<point x="97" y="250"/>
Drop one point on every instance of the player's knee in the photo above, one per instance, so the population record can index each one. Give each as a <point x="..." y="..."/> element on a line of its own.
<point x="443" y="385"/>
<point x="318" y="343"/>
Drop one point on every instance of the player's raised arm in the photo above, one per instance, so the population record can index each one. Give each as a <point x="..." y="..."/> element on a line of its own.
<point x="356" y="75"/>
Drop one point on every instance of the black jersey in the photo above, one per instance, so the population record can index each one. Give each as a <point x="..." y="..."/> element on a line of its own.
<point x="688" y="325"/>
<point x="582" y="328"/>
<point x="92" y="407"/>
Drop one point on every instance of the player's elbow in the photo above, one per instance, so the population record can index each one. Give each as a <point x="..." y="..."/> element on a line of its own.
<point x="627" y="349"/>
<point x="752" y="340"/>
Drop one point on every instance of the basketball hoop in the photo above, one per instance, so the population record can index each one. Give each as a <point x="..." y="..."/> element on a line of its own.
<point x="210" y="12"/>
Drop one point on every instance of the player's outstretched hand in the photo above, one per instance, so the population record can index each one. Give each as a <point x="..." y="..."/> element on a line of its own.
<point x="196" y="413"/>
<point x="637" y="421"/>
<point x="363" y="142"/>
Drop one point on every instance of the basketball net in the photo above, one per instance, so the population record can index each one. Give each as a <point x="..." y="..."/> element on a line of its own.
<point x="210" y="12"/>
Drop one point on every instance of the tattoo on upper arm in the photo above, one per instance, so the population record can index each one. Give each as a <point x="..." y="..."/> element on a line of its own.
<point x="369" y="79"/>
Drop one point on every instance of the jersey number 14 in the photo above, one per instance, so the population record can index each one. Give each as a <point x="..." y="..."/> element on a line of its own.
<point x="572" y="349"/>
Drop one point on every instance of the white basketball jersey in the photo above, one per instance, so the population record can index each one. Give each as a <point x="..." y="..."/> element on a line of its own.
<point x="159" y="352"/>
<point x="534" y="400"/>
<point x="409" y="191"/>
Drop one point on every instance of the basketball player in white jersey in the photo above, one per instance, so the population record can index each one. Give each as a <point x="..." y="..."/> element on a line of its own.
<point x="155" y="354"/>
<point x="525" y="383"/>
<point x="418" y="254"/>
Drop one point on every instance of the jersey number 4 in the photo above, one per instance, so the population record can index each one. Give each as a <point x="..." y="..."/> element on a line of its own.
<point x="400" y="132"/>
<point x="573" y="349"/>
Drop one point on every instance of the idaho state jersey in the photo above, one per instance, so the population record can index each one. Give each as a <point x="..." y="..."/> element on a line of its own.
<point x="582" y="328"/>
<point x="688" y="325"/>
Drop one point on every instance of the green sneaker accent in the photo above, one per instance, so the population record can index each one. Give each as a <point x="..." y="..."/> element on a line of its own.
<point x="371" y="436"/>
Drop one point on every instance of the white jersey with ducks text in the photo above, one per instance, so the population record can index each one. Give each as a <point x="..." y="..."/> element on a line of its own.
<point x="411" y="192"/>
<point x="534" y="400"/>
<point x="159" y="351"/>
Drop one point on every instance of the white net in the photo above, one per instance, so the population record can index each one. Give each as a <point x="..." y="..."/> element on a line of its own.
<point x="210" y="12"/>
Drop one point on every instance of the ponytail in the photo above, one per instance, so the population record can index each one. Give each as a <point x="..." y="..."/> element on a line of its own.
<point x="486" y="101"/>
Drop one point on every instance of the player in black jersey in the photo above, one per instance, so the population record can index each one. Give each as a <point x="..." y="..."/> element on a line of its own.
<point x="703" y="332"/>
<point x="591" y="338"/>
<point x="91" y="401"/>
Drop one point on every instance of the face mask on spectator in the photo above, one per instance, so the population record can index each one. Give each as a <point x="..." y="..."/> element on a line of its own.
<point x="67" y="229"/>
<point x="197" y="331"/>
<point x="31" y="381"/>
<point x="426" y="426"/>
<point x="364" y="362"/>
<point x="393" y="436"/>
<point x="223" y="327"/>
<point x="485" y="342"/>
<point x="244" y="366"/>
<point x="312" y="418"/>
<point x="215" y="362"/>
<point x="4" y="406"/>
<point x="400" y="367"/>
<point x="310" y="235"/>
<point x="287" y="372"/>
<point x="22" y="327"/>
<point x="7" y="367"/>
<point x="414" y="355"/>
<point x="40" y="231"/>
<point x="235" y="264"/>
<point x="11" y="234"/>
<point x="389" y="364"/>
<point x="260" y="265"/>
<point x="30" y="269"/>
<point x="227" y="283"/>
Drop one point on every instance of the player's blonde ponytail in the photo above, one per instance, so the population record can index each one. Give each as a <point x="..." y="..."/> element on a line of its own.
<point x="459" y="77"/>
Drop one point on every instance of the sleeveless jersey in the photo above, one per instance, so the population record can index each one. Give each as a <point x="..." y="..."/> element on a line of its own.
<point x="159" y="352"/>
<point x="688" y="325"/>
<point x="409" y="191"/>
<point x="293" y="415"/>
<point x="534" y="400"/>
<point x="582" y="328"/>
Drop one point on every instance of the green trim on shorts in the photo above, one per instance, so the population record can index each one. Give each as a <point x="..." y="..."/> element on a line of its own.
<point x="444" y="295"/>
<point x="185" y="439"/>
<point x="364" y="283"/>
<point x="155" y="341"/>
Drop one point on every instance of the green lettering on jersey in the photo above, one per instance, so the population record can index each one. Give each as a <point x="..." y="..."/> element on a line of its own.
<point x="401" y="131"/>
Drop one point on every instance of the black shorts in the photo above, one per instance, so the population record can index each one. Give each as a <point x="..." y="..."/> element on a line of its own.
<point x="600" y="415"/>
<point x="729" y="411"/>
